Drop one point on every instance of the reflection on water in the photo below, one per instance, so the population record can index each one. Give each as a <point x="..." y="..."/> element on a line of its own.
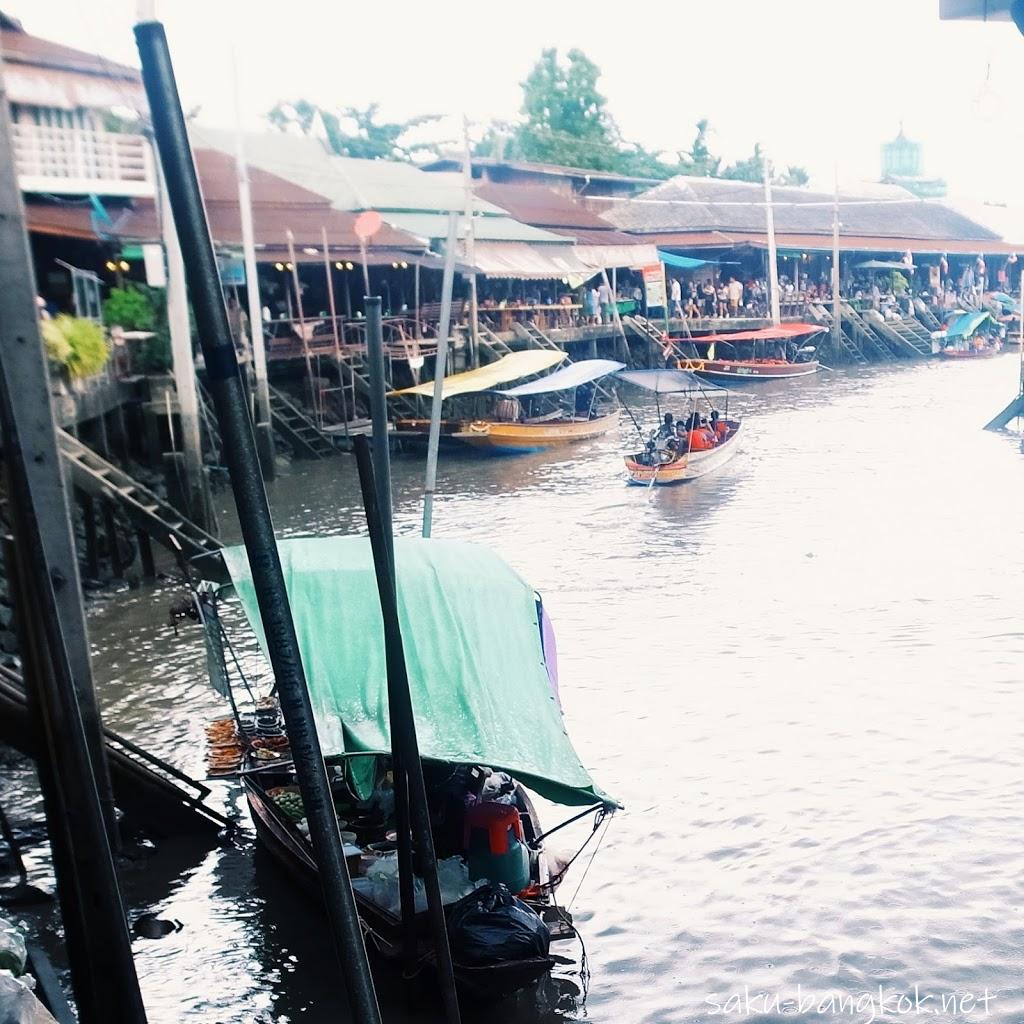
<point x="800" y="675"/>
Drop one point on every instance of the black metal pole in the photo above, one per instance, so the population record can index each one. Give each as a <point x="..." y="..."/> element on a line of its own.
<point x="378" y="409"/>
<point x="254" y="512"/>
<point x="403" y="723"/>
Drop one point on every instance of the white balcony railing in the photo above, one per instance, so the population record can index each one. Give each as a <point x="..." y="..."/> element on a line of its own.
<point x="78" y="161"/>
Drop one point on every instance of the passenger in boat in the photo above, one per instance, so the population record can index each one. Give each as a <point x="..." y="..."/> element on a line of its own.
<point x="667" y="429"/>
<point x="701" y="440"/>
<point x="718" y="427"/>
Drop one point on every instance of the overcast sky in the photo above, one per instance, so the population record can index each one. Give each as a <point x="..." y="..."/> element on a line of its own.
<point x="816" y="81"/>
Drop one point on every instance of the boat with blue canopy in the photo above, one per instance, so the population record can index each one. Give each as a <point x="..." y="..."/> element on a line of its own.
<point x="483" y="680"/>
<point x="975" y="334"/>
<point x="696" y="439"/>
<point x="564" y="407"/>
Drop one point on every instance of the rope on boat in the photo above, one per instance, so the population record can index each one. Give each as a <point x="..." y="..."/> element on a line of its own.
<point x="586" y="870"/>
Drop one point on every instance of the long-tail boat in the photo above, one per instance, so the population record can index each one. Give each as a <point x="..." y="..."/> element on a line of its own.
<point x="973" y="335"/>
<point x="762" y="354"/>
<point x="483" y="678"/>
<point x="706" y="436"/>
<point x="564" y="407"/>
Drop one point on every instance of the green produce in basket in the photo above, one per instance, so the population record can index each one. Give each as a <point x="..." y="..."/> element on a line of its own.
<point x="291" y="805"/>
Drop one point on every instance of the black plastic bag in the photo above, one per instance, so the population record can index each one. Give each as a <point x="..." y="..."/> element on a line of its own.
<point x="490" y="925"/>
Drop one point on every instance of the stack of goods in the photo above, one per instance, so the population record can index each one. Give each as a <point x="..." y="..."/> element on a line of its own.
<point x="225" y="749"/>
<point x="265" y="732"/>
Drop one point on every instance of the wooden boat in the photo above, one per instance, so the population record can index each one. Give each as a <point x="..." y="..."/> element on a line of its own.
<point x="549" y="412"/>
<point x="971" y="335"/>
<point x="512" y="438"/>
<point x="679" y="467"/>
<point x="678" y="458"/>
<point x="491" y="732"/>
<point x="748" y="358"/>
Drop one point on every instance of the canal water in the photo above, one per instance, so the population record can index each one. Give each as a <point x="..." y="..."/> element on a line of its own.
<point x="801" y="676"/>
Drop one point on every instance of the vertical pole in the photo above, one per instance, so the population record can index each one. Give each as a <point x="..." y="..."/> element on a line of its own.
<point x="297" y="285"/>
<point x="773" y="264"/>
<point x="145" y="554"/>
<point x="110" y="528"/>
<point x="440" y="366"/>
<point x="837" y="312"/>
<point x="474" y="316"/>
<point x="54" y="644"/>
<point x="402" y="721"/>
<point x="416" y="301"/>
<point x="664" y="290"/>
<point x="378" y="406"/>
<point x="334" y="326"/>
<point x="184" y="366"/>
<point x="254" y="518"/>
<point x="264" y="428"/>
<point x="92" y="555"/>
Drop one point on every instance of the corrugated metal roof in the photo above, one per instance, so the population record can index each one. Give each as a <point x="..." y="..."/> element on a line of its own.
<point x="710" y="204"/>
<point x="542" y="207"/>
<point x="821" y="243"/>
<point x="21" y="48"/>
<point x="487" y="229"/>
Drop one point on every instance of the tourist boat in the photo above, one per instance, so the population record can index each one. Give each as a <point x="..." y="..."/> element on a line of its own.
<point x="674" y="461"/>
<point x="562" y="408"/>
<point x="489" y="726"/>
<point x="973" y="335"/>
<point x="748" y="357"/>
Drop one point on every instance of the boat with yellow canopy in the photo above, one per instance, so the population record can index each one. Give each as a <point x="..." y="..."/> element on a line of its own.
<point x="564" y="407"/>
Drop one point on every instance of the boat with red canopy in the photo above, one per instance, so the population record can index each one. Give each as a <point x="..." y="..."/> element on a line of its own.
<point x="769" y="353"/>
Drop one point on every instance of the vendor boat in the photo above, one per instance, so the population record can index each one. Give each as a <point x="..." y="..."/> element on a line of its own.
<point x="562" y="408"/>
<point x="490" y="733"/>
<point x="747" y="357"/>
<point x="705" y="444"/>
<point x="974" y="335"/>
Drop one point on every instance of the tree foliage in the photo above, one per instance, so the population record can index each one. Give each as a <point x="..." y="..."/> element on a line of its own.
<point x="353" y="131"/>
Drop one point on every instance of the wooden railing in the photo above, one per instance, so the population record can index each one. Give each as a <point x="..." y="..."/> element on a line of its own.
<point x="80" y="161"/>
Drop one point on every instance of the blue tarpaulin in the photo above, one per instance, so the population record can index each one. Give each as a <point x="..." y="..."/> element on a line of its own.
<point x="966" y="324"/>
<point x="682" y="262"/>
<point x="573" y="376"/>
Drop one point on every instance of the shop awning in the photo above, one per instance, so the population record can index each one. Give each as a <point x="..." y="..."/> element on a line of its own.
<point x="604" y="257"/>
<point x="763" y="333"/>
<point x="486" y="378"/>
<point x="536" y="262"/>
<point x="568" y="377"/>
<point x="967" y="323"/>
<point x="670" y="259"/>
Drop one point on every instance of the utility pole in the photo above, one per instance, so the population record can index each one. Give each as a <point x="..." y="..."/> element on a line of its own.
<point x="467" y="181"/>
<point x="773" y="265"/>
<point x="837" y="314"/>
<point x="195" y="490"/>
<point x="263" y="423"/>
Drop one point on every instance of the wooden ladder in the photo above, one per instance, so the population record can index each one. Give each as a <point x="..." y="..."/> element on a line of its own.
<point x="145" y="510"/>
<point x="821" y="314"/>
<point x="298" y="430"/>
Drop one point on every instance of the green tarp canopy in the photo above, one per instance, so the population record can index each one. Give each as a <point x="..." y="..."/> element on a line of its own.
<point x="472" y="636"/>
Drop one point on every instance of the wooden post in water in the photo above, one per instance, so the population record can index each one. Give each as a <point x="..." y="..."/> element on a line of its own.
<point x="837" y="306"/>
<point x="474" y="313"/>
<point x="773" y="259"/>
<point x="440" y="367"/>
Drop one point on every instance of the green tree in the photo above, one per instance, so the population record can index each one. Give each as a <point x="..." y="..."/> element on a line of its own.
<point x="794" y="176"/>
<point x="751" y="169"/>
<point x="355" y="132"/>
<point x="701" y="162"/>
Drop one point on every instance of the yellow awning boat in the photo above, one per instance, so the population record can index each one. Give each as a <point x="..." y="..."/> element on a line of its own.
<point x="486" y="378"/>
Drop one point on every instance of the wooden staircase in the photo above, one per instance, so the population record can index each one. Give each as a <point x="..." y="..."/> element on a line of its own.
<point x="863" y="336"/>
<point x="146" y="511"/>
<point x="536" y="338"/>
<point x="653" y="336"/>
<point x="848" y="348"/>
<point x="297" y="430"/>
<point x="908" y="337"/>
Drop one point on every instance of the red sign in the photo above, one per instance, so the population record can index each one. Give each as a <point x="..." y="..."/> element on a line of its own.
<point x="368" y="224"/>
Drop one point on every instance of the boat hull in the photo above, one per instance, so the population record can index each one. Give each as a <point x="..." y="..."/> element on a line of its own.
<point x="687" y="467"/>
<point x="754" y="369"/>
<point x="520" y="438"/>
<point x="281" y="840"/>
<point x="971" y="353"/>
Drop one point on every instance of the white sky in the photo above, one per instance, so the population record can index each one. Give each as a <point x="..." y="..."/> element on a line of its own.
<point x="816" y="81"/>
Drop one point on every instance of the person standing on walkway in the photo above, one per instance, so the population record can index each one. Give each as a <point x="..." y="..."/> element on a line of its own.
<point x="605" y="300"/>
<point x="677" y="298"/>
<point x="735" y="291"/>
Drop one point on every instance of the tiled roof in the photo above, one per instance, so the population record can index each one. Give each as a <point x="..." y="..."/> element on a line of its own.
<point x="21" y="48"/>
<point x="709" y="204"/>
